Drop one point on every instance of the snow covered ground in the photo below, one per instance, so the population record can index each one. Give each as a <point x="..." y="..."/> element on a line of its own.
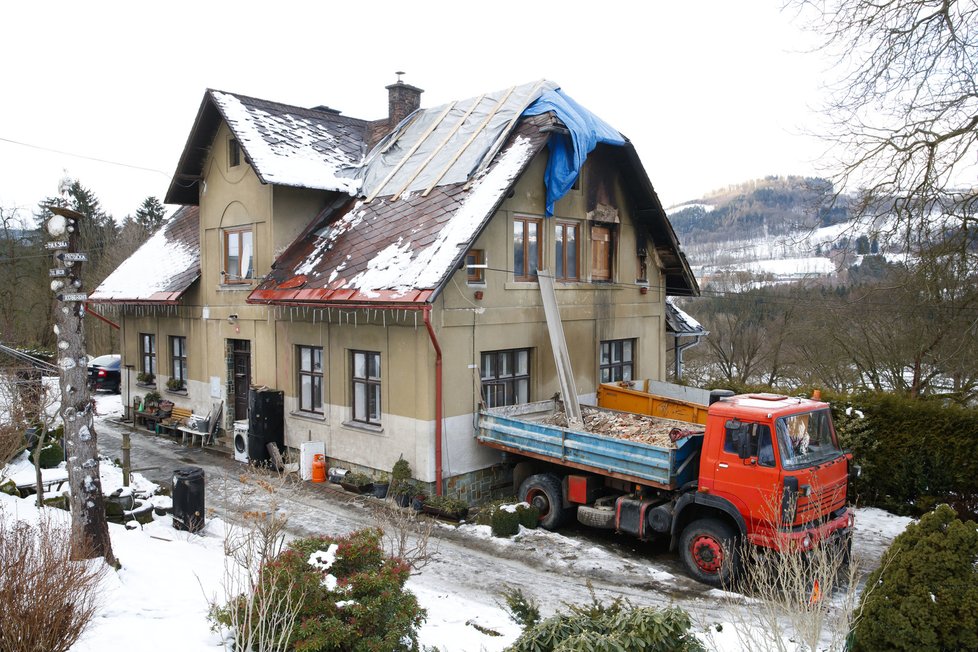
<point x="160" y="597"/>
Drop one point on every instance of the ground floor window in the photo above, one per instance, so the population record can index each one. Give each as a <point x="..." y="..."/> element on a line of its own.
<point x="616" y="360"/>
<point x="147" y="353"/>
<point x="366" y="386"/>
<point x="505" y="377"/>
<point x="178" y="359"/>
<point x="310" y="379"/>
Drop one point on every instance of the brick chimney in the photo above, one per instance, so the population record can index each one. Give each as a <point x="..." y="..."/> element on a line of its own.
<point x="402" y="99"/>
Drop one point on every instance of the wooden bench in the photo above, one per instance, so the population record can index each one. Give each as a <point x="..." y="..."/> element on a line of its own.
<point x="177" y="418"/>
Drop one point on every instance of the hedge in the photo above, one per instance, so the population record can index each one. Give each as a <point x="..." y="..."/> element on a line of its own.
<point x="914" y="453"/>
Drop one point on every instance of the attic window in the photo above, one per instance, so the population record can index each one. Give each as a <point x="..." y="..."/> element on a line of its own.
<point x="475" y="262"/>
<point x="234" y="153"/>
<point x="239" y="254"/>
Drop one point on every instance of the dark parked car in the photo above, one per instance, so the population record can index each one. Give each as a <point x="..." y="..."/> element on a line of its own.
<point x="104" y="372"/>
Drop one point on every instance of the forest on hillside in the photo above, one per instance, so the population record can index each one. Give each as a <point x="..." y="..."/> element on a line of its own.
<point x="774" y="205"/>
<point x="25" y="293"/>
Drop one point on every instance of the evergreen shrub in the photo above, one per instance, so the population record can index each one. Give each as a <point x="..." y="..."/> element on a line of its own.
<point x="924" y="595"/>
<point x="914" y="453"/>
<point x="616" y="627"/>
<point x="364" y="609"/>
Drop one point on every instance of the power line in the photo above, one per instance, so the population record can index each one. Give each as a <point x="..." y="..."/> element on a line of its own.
<point x="82" y="156"/>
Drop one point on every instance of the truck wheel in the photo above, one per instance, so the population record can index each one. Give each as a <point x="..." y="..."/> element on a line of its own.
<point x="598" y="517"/>
<point x="543" y="491"/>
<point x="709" y="551"/>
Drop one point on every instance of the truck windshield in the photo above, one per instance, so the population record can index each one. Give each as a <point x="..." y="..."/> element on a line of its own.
<point x="806" y="439"/>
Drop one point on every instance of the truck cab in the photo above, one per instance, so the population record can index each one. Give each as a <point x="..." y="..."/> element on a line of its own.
<point x="776" y="462"/>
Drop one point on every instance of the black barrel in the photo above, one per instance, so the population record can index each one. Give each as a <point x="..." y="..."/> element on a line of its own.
<point x="188" y="498"/>
<point x="266" y="422"/>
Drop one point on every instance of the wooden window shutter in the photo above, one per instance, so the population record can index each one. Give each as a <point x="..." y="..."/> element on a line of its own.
<point x="601" y="248"/>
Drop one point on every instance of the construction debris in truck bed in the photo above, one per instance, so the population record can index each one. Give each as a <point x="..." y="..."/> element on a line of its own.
<point x="624" y="425"/>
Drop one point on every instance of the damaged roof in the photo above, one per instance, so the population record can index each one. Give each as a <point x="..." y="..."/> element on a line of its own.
<point x="285" y="145"/>
<point x="399" y="250"/>
<point x="680" y="322"/>
<point x="162" y="269"/>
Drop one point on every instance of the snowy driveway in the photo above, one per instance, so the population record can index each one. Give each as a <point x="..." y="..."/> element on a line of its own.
<point x="471" y="568"/>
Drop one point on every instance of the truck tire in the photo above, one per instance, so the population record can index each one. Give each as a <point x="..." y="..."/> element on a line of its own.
<point x="708" y="547"/>
<point x="544" y="492"/>
<point x="597" y="517"/>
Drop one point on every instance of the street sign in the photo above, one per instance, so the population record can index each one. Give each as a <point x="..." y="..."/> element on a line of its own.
<point x="56" y="244"/>
<point x="59" y="271"/>
<point x="73" y="257"/>
<point x="80" y="296"/>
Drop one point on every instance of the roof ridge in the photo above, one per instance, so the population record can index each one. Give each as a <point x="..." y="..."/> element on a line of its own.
<point x="292" y="108"/>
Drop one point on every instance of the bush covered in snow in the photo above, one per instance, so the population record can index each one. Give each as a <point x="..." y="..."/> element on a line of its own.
<point x="505" y="518"/>
<point x="924" y="595"/>
<point x="347" y="595"/>
<point x="617" y="626"/>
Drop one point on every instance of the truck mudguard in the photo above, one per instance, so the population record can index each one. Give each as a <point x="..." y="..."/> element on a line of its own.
<point x="706" y="500"/>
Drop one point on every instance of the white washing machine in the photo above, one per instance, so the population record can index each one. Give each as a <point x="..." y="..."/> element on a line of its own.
<point x="241" y="441"/>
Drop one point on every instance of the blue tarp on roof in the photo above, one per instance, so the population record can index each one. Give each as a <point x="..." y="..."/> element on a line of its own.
<point x="567" y="155"/>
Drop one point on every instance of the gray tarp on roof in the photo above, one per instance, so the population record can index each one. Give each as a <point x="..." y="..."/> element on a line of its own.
<point x="425" y="145"/>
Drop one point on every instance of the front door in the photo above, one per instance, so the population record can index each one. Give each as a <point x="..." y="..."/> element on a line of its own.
<point x="240" y="376"/>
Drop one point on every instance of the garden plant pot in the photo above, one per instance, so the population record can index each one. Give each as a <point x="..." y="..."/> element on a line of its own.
<point x="357" y="488"/>
<point x="403" y="500"/>
<point x="380" y="489"/>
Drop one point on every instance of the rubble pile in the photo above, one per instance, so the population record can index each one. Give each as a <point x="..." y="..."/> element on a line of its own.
<point x="624" y="425"/>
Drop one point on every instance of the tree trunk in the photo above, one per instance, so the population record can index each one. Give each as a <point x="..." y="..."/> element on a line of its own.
<point x="89" y="529"/>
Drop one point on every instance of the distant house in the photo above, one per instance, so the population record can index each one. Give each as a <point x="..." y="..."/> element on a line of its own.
<point x="383" y="274"/>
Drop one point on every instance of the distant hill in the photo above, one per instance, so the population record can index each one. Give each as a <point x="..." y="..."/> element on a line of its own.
<point x="760" y="208"/>
<point x="784" y="227"/>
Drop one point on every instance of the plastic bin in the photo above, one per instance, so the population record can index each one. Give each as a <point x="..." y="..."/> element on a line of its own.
<point x="188" y="499"/>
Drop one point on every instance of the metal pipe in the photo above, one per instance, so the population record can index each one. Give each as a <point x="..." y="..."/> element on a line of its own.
<point x="438" y="398"/>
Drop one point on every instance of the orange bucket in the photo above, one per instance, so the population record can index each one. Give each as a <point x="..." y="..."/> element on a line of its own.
<point x="319" y="468"/>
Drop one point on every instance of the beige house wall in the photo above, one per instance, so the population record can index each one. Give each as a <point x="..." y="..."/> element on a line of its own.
<point x="508" y="315"/>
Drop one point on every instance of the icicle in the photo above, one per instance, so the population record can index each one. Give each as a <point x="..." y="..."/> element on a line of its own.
<point x="314" y="317"/>
<point x="384" y="315"/>
<point x="354" y="319"/>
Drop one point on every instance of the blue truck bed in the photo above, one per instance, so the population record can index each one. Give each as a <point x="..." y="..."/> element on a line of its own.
<point x="519" y="429"/>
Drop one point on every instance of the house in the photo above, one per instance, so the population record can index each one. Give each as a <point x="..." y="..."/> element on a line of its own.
<point x="383" y="274"/>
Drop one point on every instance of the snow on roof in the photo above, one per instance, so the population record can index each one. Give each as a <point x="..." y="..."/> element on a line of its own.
<point x="401" y="268"/>
<point x="397" y="250"/>
<point x="680" y="322"/>
<point x="290" y="148"/>
<point x="162" y="269"/>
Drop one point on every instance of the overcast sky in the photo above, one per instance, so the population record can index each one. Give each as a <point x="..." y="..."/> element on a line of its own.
<point x="712" y="93"/>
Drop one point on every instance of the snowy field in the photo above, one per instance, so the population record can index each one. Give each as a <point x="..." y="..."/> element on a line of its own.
<point x="160" y="597"/>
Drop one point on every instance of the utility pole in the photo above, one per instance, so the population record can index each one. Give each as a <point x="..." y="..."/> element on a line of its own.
<point x="89" y="529"/>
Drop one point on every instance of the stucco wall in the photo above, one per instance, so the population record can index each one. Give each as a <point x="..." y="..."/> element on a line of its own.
<point x="508" y="315"/>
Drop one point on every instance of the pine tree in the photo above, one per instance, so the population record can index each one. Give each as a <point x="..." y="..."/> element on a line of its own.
<point x="150" y="214"/>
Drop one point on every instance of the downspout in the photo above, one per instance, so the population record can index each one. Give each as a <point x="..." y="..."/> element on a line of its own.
<point x="438" y="398"/>
<point x="679" y="353"/>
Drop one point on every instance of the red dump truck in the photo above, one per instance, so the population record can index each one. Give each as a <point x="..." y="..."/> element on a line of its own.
<point x="759" y="468"/>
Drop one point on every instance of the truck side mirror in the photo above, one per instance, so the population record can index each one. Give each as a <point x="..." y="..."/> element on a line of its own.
<point x="744" y="448"/>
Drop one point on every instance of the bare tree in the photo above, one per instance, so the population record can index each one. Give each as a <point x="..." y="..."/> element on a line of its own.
<point x="904" y="111"/>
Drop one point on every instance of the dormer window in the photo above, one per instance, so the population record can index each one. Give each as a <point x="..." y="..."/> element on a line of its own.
<point x="234" y="153"/>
